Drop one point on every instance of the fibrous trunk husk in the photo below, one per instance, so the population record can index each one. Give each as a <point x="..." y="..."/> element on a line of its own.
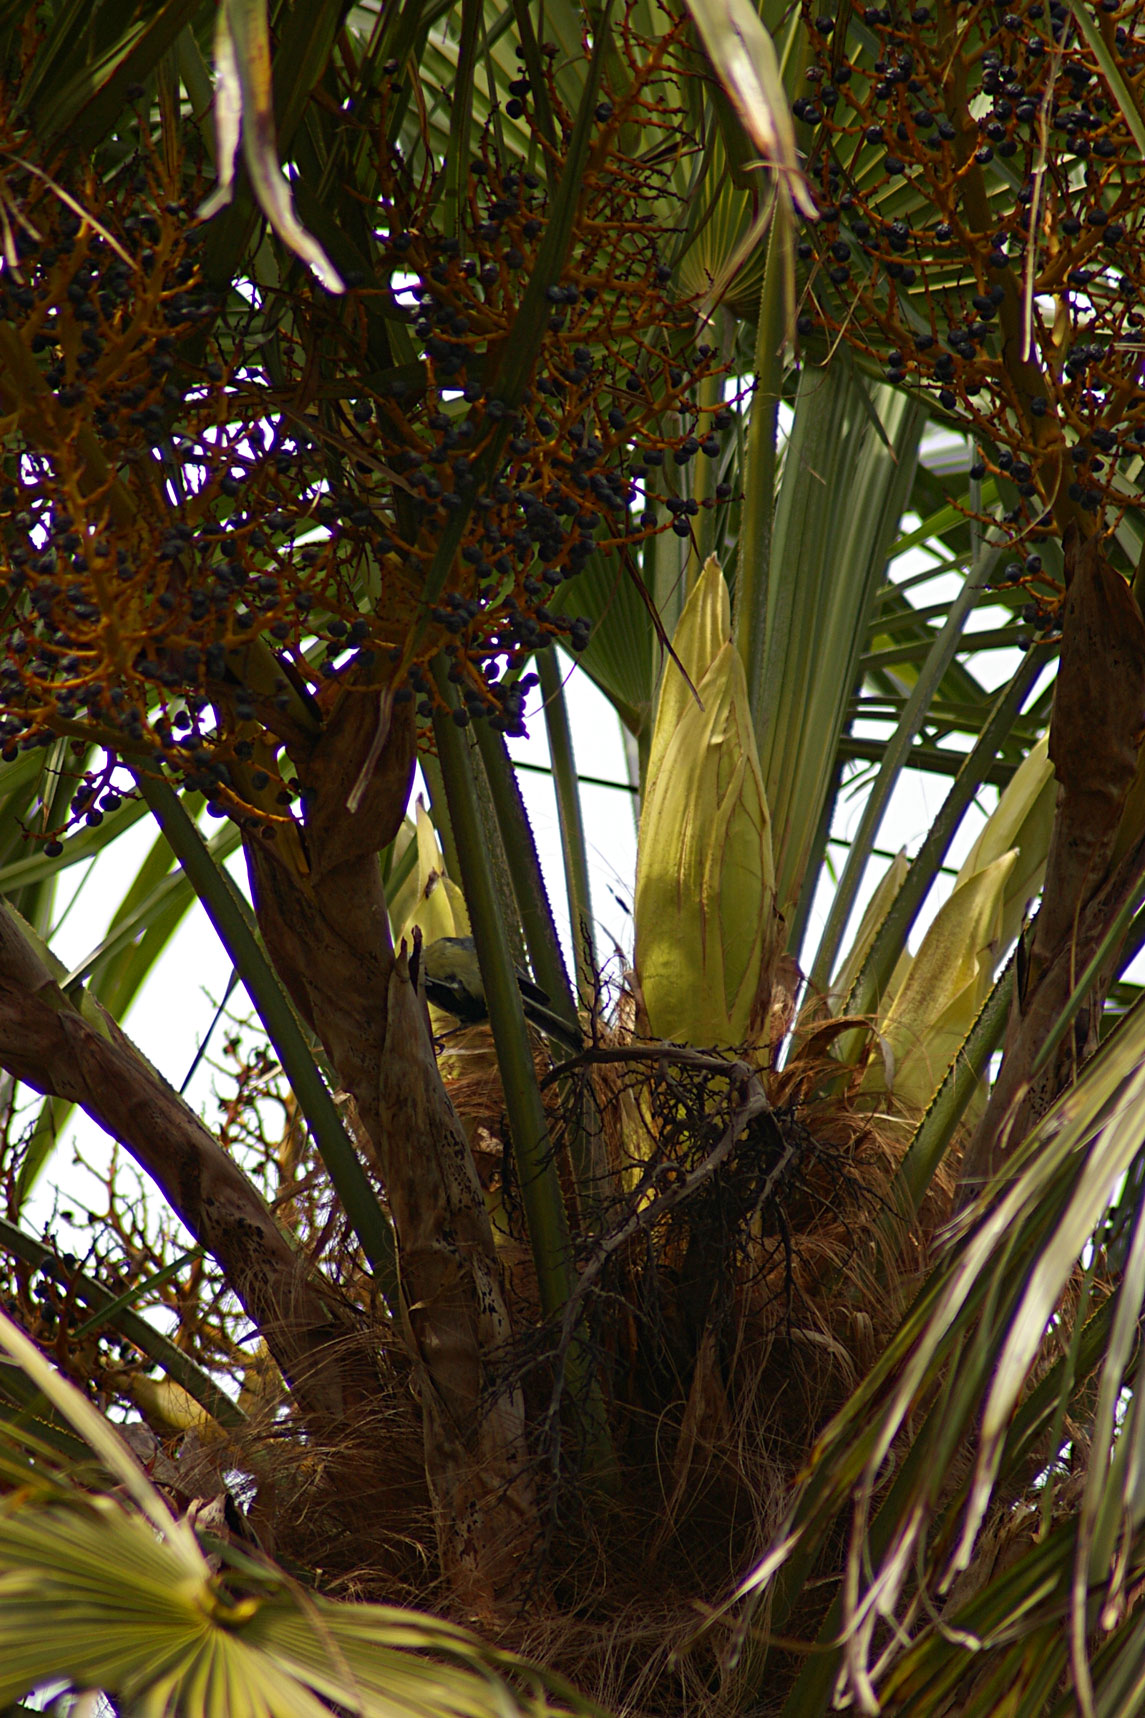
<point x="325" y="924"/>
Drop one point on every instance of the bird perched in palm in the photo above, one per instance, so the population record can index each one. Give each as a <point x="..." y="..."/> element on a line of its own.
<point x="453" y="983"/>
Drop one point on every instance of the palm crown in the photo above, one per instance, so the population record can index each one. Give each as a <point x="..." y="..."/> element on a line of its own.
<point x="338" y="395"/>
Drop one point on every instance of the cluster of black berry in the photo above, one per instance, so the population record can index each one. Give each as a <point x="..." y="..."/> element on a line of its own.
<point x="588" y="456"/>
<point x="195" y="547"/>
<point x="983" y="230"/>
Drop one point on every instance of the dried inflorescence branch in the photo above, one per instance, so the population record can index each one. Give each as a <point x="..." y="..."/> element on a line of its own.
<point x="136" y="1248"/>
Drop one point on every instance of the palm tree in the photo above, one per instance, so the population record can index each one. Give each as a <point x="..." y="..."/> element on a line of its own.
<point x="756" y="1353"/>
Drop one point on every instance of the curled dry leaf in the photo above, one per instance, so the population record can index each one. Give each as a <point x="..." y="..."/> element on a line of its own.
<point x="743" y="57"/>
<point x="244" y="106"/>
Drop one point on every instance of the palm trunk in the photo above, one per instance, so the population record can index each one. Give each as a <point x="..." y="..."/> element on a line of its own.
<point x="323" y="918"/>
<point x="1094" y="861"/>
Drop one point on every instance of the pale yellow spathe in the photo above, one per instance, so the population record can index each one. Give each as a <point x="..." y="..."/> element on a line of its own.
<point x="705" y="881"/>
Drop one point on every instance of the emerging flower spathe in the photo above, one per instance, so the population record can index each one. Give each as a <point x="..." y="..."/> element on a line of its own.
<point x="706" y="926"/>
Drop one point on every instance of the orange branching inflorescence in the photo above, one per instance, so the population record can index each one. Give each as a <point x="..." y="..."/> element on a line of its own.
<point x="202" y="532"/>
<point x="983" y="231"/>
